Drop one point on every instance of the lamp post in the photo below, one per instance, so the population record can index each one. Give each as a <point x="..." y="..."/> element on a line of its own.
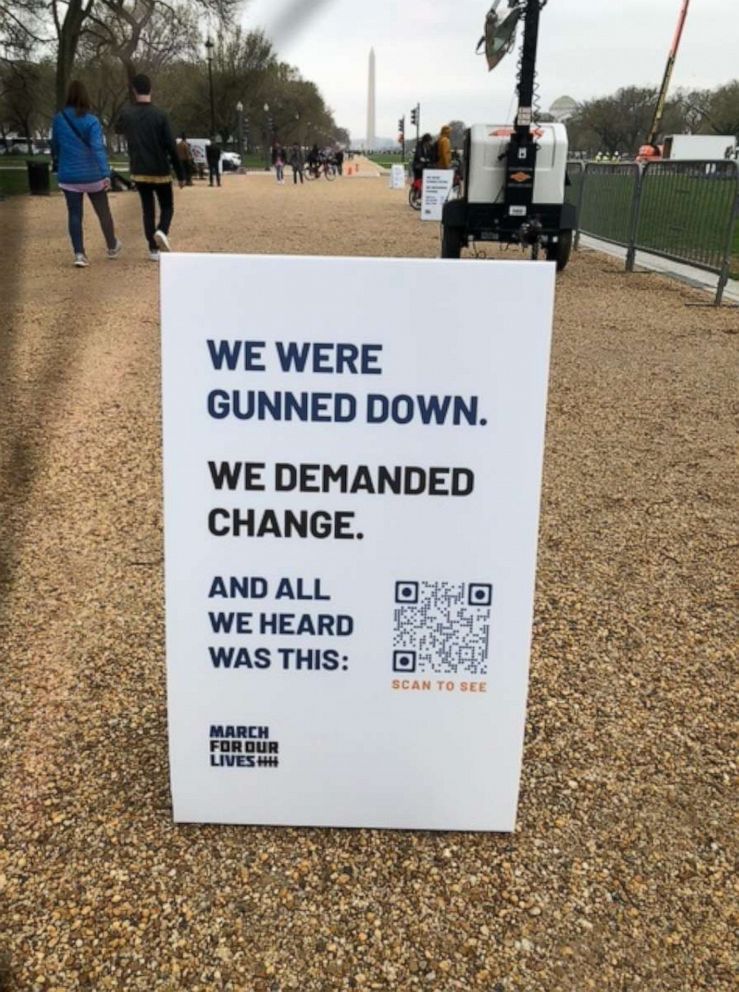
<point x="209" y="46"/>
<point x="267" y="130"/>
<point x="240" y="112"/>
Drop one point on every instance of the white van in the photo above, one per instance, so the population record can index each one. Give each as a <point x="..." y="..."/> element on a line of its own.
<point x="697" y="147"/>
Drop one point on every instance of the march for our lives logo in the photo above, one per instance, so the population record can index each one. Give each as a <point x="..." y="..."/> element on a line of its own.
<point x="242" y="746"/>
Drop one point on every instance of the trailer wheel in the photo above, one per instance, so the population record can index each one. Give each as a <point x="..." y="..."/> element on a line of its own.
<point x="560" y="252"/>
<point x="452" y="242"/>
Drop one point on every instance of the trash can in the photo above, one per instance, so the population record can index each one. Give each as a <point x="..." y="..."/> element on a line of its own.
<point x="39" y="178"/>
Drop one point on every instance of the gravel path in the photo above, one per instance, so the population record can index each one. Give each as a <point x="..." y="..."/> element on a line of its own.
<point x="618" y="877"/>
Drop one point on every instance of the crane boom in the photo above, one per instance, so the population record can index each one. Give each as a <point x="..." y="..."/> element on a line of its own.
<point x="662" y="98"/>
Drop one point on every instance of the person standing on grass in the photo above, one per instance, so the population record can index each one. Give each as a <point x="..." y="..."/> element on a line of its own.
<point x="296" y="161"/>
<point x="81" y="163"/>
<point x="213" y="155"/>
<point x="153" y="155"/>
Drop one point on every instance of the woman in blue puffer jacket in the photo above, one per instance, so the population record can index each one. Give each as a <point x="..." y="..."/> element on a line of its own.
<point x="81" y="163"/>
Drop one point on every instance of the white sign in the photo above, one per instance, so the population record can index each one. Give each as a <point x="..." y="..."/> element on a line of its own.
<point x="197" y="147"/>
<point x="437" y="186"/>
<point x="351" y="512"/>
<point x="397" y="176"/>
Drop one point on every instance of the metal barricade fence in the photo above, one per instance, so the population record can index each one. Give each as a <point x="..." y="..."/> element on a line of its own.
<point x="684" y="211"/>
<point x="687" y="213"/>
<point x="608" y="201"/>
<point x="573" y="188"/>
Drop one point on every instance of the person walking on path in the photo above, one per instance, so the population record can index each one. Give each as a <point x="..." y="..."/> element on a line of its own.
<point x="278" y="160"/>
<point x="296" y="161"/>
<point x="444" y="149"/>
<point x="314" y="157"/>
<point x="213" y="156"/>
<point x="153" y="155"/>
<point x="81" y="164"/>
<point x="184" y="153"/>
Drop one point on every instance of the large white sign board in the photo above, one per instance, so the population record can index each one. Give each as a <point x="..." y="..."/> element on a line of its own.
<point x="397" y="176"/>
<point x="352" y="463"/>
<point x="437" y="185"/>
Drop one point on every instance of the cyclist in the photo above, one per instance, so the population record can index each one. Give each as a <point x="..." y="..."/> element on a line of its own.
<point x="423" y="157"/>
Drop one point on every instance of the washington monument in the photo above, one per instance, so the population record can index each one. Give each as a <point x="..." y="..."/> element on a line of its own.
<point x="371" y="102"/>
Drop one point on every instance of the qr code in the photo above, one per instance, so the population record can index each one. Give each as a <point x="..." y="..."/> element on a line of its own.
<point x="442" y="627"/>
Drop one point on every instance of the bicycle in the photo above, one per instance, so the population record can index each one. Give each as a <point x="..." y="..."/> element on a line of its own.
<point x="316" y="169"/>
<point x="415" y="194"/>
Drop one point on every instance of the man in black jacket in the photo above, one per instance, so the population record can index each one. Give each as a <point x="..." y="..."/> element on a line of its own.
<point x="213" y="158"/>
<point x="153" y="156"/>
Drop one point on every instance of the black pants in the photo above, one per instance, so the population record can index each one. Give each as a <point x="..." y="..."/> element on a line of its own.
<point x="163" y="192"/>
<point x="213" y="173"/>
<point x="297" y="171"/>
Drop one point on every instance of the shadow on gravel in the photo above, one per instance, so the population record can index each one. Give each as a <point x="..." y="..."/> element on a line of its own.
<point x="29" y="388"/>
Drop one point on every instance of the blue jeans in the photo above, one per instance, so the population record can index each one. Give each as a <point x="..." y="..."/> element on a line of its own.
<point x="74" y="214"/>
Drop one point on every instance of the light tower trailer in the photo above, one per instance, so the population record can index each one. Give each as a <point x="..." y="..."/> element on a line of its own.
<point x="514" y="177"/>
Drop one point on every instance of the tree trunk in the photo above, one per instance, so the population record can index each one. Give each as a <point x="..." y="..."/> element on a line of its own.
<point x="69" y="35"/>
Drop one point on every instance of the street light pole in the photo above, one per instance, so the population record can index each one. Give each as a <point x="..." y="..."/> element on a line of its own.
<point x="267" y="143"/>
<point x="240" y="112"/>
<point x="209" y="46"/>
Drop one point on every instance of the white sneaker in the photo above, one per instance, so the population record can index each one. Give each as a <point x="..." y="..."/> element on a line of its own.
<point x="117" y="248"/>
<point x="162" y="240"/>
<point x="153" y="255"/>
<point x="80" y="260"/>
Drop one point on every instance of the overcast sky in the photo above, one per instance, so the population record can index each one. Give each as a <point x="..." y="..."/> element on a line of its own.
<point x="425" y="52"/>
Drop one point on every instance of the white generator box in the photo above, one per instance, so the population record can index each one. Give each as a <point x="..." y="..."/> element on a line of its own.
<point x="487" y="166"/>
<point x="699" y="146"/>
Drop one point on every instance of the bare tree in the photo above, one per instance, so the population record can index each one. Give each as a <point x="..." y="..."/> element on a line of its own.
<point x="24" y="98"/>
<point x="73" y="17"/>
<point x="112" y="50"/>
<point x="457" y="133"/>
<point x="621" y="122"/>
<point x="21" y="28"/>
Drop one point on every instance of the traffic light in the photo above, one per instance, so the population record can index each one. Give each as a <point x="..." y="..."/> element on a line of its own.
<point x="401" y="130"/>
<point x="414" y="116"/>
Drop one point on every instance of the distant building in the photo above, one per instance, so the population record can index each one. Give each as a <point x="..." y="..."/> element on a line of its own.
<point x="563" y="108"/>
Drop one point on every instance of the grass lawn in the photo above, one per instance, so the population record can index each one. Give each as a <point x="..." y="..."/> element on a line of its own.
<point x="16" y="181"/>
<point x="688" y="217"/>
<point x="14" y="177"/>
<point x="385" y="161"/>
